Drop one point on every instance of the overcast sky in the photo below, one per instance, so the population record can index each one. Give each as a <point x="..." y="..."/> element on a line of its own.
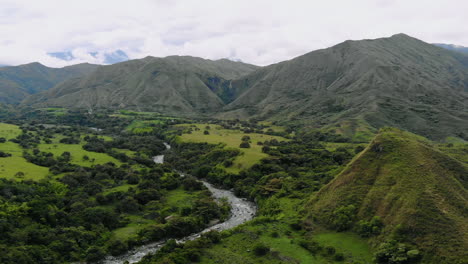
<point x="254" y="31"/>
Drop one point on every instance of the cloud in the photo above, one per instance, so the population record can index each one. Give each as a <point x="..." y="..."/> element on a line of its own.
<point x="255" y="31"/>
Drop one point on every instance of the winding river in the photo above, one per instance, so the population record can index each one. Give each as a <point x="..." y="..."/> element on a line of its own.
<point x="242" y="211"/>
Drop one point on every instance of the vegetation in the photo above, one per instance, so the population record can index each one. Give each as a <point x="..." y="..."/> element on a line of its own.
<point x="250" y="154"/>
<point x="97" y="192"/>
<point x="390" y="190"/>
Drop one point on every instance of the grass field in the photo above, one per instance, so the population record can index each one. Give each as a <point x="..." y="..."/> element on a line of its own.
<point x="77" y="152"/>
<point x="10" y="166"/>
<point x="143" y="126"/>
<point x="231" y="139"/>
<point x="55" y="111"/>
<point x="350" y="244"/>
<point x="16" y="163"/>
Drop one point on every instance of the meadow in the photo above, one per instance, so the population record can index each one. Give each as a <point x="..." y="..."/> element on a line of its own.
<point x="230" y="139"/>
<point x="11" y="166"/>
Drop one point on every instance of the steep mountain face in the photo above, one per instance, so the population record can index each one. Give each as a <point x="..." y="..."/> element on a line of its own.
<point x="453" y="47"/>
<point x="419" y="193"/>
<point x="398" y="81"/>
<point x="17" y="82"/>
<point x="173" y="85"/>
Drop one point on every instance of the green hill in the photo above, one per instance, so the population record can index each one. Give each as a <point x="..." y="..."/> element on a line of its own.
<point x="172" y="85"/>
<point x="17" y="82"/>
<point x="419" y="193"/>
<point x="398" y="81"/>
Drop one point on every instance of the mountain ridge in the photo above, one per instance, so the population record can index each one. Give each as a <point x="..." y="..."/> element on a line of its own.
<point x="17" y="82"/>
<point x="359" y="80"/>
<point x="173" y="84"/>
<point x="397" y="81"/>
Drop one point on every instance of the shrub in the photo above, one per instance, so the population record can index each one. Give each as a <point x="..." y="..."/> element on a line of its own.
<point x="244" y="144"/>
<point x="358" y="149"/>
<point x="261" y="249"/>
<point x="339" y="257"/>
<point x="330" y="250"/>
<point x="396" y="253"/>
<point x="343" y="217"/>
<point x="369" y="228"/>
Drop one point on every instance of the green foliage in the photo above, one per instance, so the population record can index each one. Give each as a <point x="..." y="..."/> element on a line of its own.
<point x="260" y="249"/>
<point x="369" y="228"/>
<point x="392" y="252"/>
<point x="244" y="144"/>
<point x="343" y="217"/>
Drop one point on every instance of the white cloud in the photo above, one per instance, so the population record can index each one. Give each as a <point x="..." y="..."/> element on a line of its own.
<point x="255" y="31"/>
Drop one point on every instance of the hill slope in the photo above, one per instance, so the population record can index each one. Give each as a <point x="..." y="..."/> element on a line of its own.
<point x="184" y="85"/>
<point x="17" y="82"/>
<point x="419" y="193"/>
<point x="398" y="81"/>
<point x="453" y="47"/>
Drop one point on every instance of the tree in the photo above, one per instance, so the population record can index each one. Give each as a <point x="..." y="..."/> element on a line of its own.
<point x="206" y="132"/>
<point x="244" y="144"/>
<point x="393" y="252"/>
<point x="343" y="217"/>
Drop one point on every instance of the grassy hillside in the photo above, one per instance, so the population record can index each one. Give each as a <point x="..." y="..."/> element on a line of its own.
<point x="418" y="192"/>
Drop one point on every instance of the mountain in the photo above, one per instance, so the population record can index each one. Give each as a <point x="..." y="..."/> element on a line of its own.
<point x="398" y="81"/>
<point x="353" y="87"/>
<point x="17" y="82"/>
<point x="419" y="193"/>
<point x="106" y="57"/>
<point x="453" y="47"/>
<point x="173" y="85"/>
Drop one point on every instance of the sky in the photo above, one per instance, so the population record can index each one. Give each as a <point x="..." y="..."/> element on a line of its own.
<point x="253" y="31"/>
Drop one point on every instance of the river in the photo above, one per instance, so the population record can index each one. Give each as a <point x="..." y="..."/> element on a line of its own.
<point x="242" y="211"/>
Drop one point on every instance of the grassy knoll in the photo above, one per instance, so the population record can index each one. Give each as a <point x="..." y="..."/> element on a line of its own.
<point x="418" y="192"/>
<point x="231" y="139"/>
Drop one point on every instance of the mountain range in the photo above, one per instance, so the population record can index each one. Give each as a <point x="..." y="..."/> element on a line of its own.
<point x="355" y="86"/>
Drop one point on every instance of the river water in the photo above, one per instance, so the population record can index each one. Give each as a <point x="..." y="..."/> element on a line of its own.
<point x="242" y="211"/>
